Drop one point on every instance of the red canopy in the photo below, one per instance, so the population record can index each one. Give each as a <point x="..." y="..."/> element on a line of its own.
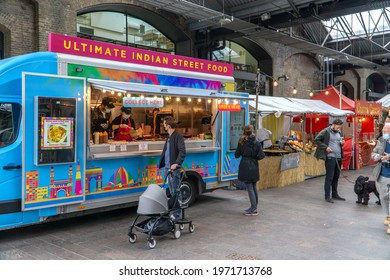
<point x="333" y="98"/>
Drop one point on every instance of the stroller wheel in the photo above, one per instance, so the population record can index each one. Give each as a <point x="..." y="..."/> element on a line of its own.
<point x="152" y="243"/>
<point x="191" y="228"/>
<point x="132" y="238"/>
<point x="181" y="226"/>
<point x="177" y="234"/>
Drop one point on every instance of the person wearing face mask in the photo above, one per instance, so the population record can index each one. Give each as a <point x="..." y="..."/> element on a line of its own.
<point x="122" y="125"/>
<point x="381" y="172"/>
<point x="101" y="115"/>
<point x="329" y="148"/>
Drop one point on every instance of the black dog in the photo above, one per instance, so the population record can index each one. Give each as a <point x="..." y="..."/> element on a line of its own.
<point x="363" y="188"/>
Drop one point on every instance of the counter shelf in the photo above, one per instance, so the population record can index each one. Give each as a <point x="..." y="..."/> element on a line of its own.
<point x="150" y="148"/>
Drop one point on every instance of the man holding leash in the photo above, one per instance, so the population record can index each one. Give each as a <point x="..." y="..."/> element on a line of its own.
<point x="329" y="148"/>
<point x="381" y="154"/>
<point x="172" y="157"/>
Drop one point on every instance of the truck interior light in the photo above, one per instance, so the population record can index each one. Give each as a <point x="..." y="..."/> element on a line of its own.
<point x="155" y="97"/>
<point x="177" y="99"/>
<point x="166" y="98"/>
<point x="199" y="100"/>
<point x="104" y="90"/>
<point x="128" y="95"/>
<point x="142" y="96"/>
<point x="189" y="99"/>
<point x="209" y="101"/>
<point x="112" y="92"/>
<point x="119" y="94"/>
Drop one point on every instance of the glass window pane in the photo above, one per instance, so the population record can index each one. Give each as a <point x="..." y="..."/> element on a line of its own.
<point x="122" y="29"/>
<point x="9" y="123"/>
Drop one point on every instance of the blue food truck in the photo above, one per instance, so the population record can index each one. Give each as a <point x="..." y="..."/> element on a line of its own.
<point x="53" y="165"/>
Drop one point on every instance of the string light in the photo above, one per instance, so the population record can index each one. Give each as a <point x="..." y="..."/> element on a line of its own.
<point x="295" y="91"/>
<point x="326" y="92"/>
<point x="275" y="83"/>
<point x="311" y="93"/>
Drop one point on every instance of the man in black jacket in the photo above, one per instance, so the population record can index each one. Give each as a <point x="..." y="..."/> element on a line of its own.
<point x="329" y="148"/>
<point x="172" y="157"/>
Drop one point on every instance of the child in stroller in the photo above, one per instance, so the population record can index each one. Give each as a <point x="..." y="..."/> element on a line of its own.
<point x="155" y="204"/>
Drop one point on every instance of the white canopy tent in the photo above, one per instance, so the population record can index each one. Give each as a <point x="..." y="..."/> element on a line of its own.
<point x="295" y="106"/>
<point x="385" y="101"/>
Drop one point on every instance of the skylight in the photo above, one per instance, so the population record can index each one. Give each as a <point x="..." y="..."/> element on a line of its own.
<point x="365" y="24"/>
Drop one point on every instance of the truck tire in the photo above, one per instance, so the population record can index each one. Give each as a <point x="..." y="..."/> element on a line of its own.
<point x="189" y="191"/>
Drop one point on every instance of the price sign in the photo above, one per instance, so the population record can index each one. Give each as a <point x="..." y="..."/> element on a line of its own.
<point x="143" y="146"/>
<point x="123" y="148"/>
<point x="112" y="148"/>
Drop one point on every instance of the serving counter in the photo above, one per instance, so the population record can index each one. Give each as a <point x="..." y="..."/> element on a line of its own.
<point x="117" y="149"/>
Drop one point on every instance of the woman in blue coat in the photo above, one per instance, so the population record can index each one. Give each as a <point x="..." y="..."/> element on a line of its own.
<point x="251" y="152"/>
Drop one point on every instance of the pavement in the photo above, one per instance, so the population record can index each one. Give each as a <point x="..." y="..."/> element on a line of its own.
<point x="295" y="223"/>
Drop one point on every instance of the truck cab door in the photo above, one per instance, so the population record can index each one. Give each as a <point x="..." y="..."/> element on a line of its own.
<point x="54" y="140"/>
<point x="10" y="155"/>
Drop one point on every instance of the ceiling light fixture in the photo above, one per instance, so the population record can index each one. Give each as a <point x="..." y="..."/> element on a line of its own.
<point x="224" y="19"/>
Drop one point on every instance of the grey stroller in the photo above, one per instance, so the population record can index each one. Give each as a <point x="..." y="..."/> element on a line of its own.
<point x="155" y="204"/>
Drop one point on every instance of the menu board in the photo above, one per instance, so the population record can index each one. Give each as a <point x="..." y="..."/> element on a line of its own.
<point x="56" y="133"/>
<point x="237" y="123"/>
<point x="56" y="130"/>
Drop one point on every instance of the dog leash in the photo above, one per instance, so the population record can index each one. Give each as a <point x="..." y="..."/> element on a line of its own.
<point x="342" y="173"/>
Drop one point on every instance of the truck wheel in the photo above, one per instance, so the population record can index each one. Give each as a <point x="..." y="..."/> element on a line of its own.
<point x="188" y="192"/>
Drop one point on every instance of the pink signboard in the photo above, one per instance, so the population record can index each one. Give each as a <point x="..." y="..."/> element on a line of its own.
<point x="89" y="48"/>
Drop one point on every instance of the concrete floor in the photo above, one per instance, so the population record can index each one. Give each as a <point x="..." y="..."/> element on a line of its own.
<point x="295" y="223"/>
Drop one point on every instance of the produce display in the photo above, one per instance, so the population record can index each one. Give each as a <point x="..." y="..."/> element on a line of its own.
<point x="298" y="146"/>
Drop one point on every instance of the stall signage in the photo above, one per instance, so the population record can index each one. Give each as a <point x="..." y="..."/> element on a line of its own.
<point x="143" y="102"/>
<point x="368" y="108"/>
<point x="89" y="48"/>
<point x="229" y="107"/>
<point x="289" y="161"/>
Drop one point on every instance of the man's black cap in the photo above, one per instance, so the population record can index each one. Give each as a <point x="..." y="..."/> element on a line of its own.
<point x="126" y="110"/>
<point x="109" y="102"/>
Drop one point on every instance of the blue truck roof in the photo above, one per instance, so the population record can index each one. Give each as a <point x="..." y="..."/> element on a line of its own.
<point x="11" y="70"/>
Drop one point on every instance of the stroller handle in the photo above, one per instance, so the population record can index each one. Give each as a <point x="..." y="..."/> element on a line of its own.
<point x="170" y="171"/>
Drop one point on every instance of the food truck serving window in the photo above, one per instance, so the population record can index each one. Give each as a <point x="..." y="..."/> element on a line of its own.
<point x="237" y="123"/>
<point x="56" y="133"/>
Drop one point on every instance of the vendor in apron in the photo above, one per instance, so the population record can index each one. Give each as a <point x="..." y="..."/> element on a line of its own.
<point x="122" y="125"/>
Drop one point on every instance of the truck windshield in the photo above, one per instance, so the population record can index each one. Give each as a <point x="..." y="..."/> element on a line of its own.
<point x="9" y="123"/>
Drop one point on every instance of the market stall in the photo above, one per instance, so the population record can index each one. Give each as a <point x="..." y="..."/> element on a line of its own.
<point x="295" y="161"/>
<point x="360" y="129"/>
